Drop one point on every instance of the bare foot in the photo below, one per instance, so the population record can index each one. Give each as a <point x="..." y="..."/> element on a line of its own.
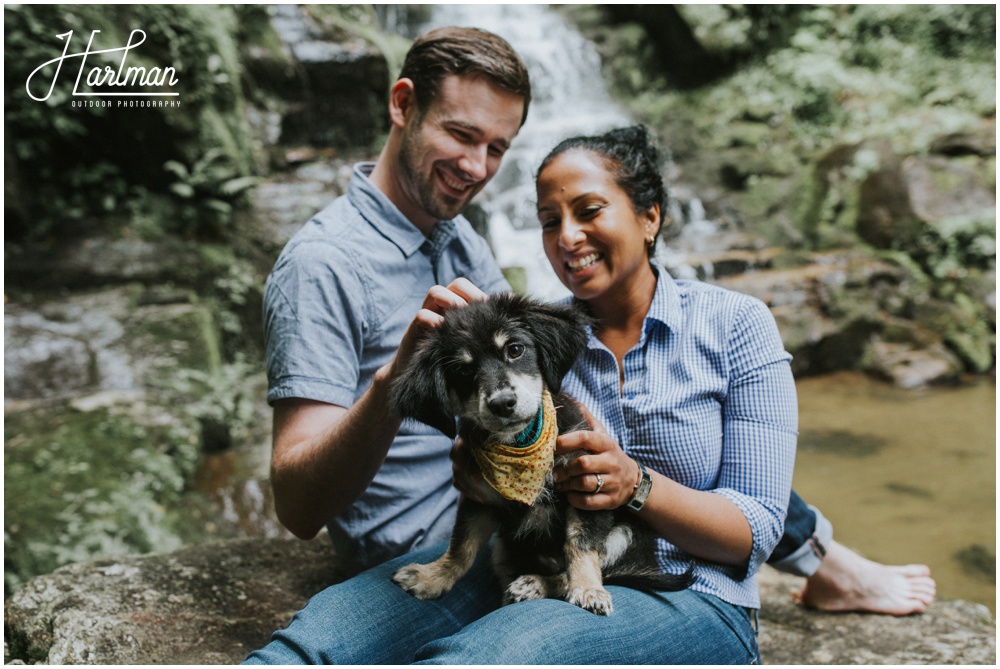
<point x="846" y="581"/>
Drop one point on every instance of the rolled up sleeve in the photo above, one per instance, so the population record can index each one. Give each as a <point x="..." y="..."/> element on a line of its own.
<point x="760" y="428"/>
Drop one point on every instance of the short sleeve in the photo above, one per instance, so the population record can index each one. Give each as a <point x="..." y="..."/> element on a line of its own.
<point x="314" y="324"/>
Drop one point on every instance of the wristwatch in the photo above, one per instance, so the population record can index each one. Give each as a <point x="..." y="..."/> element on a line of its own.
<point x="641" y="489"/>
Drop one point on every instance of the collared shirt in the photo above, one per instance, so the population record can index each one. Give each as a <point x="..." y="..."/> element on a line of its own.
<point x="336" y="305"/>
<point x="709" y="401"/>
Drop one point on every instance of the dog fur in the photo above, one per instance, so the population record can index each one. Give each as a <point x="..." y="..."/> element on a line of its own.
<point x="488" y="363"/>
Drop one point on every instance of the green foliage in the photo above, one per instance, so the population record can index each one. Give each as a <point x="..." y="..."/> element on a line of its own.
<point x="79" y="485"/>
<point x="72" y="166"/>
<point x="347" y="21"/>
<point x="958" y="244"/>
<point x="740" y="31"/>
<point x="205" y="193"/>
<point x="822" y="74"/>
<point x="224" y="397"/>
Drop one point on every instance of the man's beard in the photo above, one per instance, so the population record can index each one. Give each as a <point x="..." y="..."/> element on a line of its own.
<point x="435" y="203"/>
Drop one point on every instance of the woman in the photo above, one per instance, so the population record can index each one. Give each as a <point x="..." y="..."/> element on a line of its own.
<point x="689" y="380"/>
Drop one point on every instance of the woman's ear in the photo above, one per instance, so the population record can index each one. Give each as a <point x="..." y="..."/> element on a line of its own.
<point x="402" y="102"/>
<point x="652" y="220"/>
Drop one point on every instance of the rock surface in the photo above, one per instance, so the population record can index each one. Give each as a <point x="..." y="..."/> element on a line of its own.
<point x="215" y="603"/>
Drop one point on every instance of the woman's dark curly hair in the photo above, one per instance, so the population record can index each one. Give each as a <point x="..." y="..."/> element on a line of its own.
<point x="633" y="162"/>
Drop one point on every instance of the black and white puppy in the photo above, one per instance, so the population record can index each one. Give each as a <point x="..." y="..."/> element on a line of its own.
<point x="490" y="363"/>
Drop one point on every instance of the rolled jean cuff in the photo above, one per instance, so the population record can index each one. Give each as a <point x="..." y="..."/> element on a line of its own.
<point x="805" y="560"/>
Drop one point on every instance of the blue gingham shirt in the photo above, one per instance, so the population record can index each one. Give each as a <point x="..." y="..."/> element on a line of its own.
<point x="336" y="305"/>
<point x="709" y="401"/>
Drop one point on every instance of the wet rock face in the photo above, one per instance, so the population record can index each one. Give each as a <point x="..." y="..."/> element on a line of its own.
<point x="844" y="310"/>
<point x="102" y="341"/>
<point x="214" y="604"/>
<point x="333" y="93"/>
<point x="905" y="196"/>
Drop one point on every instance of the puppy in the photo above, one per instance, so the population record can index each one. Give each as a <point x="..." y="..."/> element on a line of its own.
<point x="498" y="365"/>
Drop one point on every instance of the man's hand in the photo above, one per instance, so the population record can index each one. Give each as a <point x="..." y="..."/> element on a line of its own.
<point x="439" y="299"/>
<point x="324" y="456"/>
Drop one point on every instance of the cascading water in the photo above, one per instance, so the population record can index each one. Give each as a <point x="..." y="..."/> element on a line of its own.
<point x="568" y="98"/>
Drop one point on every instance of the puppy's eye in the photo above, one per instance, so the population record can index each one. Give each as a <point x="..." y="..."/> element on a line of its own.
<point x="465" y="371"/>
<point x="515" y="351"/>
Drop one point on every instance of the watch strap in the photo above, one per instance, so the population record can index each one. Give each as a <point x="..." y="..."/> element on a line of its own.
<point x="641" y="490"/>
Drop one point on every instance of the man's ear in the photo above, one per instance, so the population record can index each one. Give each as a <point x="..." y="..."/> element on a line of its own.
<point x="402" y="102"/>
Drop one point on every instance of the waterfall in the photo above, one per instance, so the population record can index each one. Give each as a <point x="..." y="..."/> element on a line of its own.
<point x="568" y="98"/>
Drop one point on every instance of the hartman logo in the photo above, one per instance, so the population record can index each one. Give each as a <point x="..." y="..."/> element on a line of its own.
<point x="123" y="86"/>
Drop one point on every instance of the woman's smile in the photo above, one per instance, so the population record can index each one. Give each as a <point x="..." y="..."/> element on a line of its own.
<point x="580" y="264"/>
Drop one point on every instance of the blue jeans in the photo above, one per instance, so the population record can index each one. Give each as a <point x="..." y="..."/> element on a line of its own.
<point x="803" y="545"/>
<point x="370" y="620"/>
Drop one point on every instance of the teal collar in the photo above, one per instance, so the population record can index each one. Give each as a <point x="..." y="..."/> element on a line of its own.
<point x="530" y="434"/>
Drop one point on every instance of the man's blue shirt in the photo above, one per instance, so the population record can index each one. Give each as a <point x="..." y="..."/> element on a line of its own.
<point x="336" y="305"/>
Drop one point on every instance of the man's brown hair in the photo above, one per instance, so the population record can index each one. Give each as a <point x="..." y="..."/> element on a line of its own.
<point x="463" y="51"/>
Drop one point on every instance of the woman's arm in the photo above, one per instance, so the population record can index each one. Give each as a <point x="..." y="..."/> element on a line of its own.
<point x="741" y="519"/>
<point x="704" y="524"/>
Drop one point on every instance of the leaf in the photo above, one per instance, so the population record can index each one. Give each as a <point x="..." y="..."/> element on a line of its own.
<point x="177" y="168"/>
<point x="219" y="206"/>
<point x="183" y="190"/>
<point x="238" y="185"/>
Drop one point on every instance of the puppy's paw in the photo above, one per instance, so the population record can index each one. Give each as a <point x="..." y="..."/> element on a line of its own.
<point x="595" y="600"/>
<point x="423" y="581"/>
<point x="523" y="588"/>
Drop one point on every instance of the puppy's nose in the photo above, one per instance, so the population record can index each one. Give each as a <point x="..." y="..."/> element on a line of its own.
<point x="502" y="403"/>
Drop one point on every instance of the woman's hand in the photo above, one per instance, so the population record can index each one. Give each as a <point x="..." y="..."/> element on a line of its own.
<point x="601" y="456"/>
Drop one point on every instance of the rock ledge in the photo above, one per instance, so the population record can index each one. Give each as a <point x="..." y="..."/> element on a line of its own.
<point x="213" y="604"/>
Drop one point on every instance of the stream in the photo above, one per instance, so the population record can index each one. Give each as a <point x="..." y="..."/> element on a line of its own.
<point x="905" y="475"/>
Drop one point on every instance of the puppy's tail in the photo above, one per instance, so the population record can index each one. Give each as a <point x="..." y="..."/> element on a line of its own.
<point x="650" y="579"/>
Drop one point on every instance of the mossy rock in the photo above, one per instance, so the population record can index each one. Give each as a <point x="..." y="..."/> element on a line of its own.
<point x="79" y="484"/>
<point x="963" y="328"/>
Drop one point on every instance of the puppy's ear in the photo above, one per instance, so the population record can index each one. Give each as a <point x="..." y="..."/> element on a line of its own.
<point x="421" y="392"/>
<point x="560" y="338"/>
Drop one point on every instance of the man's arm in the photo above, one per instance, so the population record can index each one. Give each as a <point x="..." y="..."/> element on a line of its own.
<point x="325" y="456"/>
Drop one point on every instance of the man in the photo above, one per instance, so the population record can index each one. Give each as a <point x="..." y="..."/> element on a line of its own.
<point x="344" y="292"/>
<point x="341" y="300"/>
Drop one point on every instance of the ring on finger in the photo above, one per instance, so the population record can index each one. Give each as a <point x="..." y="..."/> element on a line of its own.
<point x="600" y="484"/>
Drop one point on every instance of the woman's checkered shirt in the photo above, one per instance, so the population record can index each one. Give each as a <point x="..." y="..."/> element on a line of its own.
<point x="709" y="401"/>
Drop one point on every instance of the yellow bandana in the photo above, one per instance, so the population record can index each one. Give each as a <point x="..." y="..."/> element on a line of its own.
<point x="518" y="472"/>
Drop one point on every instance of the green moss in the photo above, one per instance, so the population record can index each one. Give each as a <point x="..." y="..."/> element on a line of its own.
<point x="77" y="485"/>
<point x="185" y="336"/>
